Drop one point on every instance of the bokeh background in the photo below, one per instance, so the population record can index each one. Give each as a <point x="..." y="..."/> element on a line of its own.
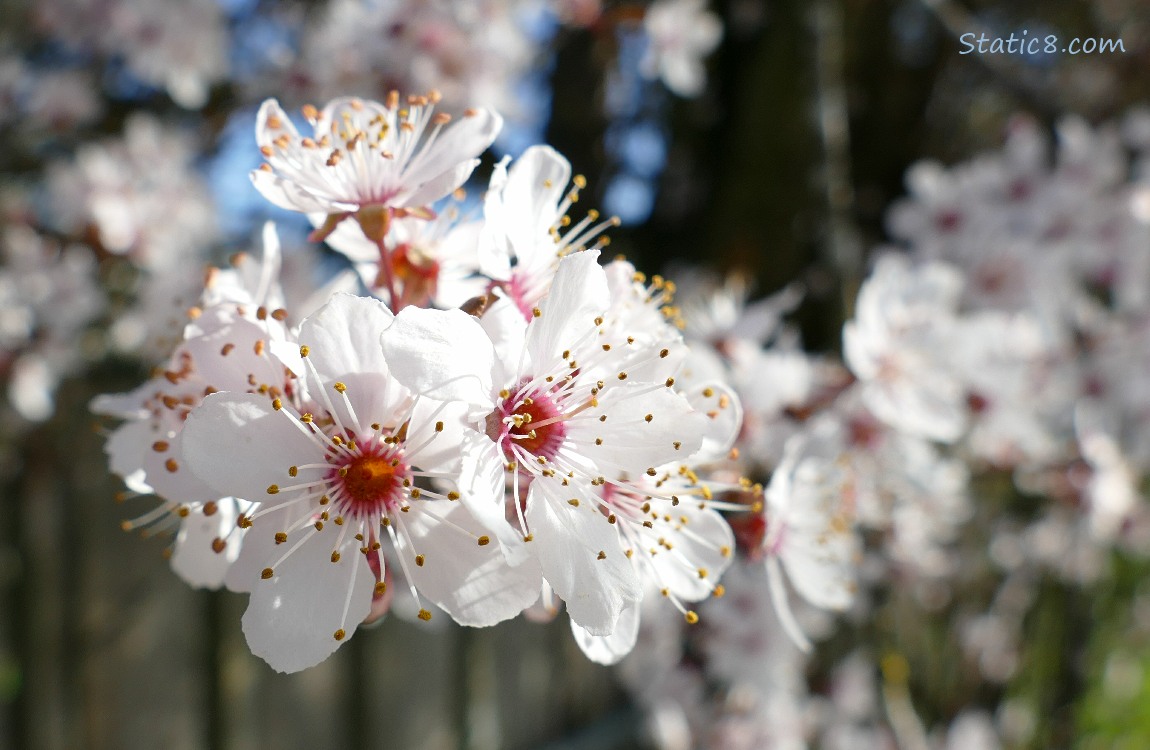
<point x="127" y="136"/>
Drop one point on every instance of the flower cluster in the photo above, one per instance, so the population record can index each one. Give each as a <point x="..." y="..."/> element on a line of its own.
<point x="531" y="448"/>
<point x="1004" y="341"/>
<point x="450" y="403"/>
<point x="105" y="161"/>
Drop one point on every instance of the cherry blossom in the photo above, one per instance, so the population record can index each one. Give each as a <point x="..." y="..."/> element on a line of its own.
<point x="473" y="51"/>
<point x="526" y="227"/>
<point x="897" y="344"/>
<point x="565" y="412"/>
<point x="680" y="33"/>
<point x="232" y="343"/>
<point x="37" y="334"/>
<point x="338" y="465"/>
<point x="434" y="262"/>
<point x="368" y="160"/>
<point x="810" y="526"/>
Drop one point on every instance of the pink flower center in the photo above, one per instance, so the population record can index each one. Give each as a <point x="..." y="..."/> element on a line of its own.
<point x="535" y="424"/>
<point x="370" y="484"/>
<point x="525" y="290"/>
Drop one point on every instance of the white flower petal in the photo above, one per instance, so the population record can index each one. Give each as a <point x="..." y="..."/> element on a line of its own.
<point x="472" y="583"/>
<point x="239" y="445"/>
<point x="291" y="196"/>
<point x="580" y="554"/>
<point x="698" y="548"/>
<point x="482" y="483"/>
<point x="260" y="548"/>
<point x="507" y="330"/>
<point x="271" y="113"/>
<point x="194" y="559"/>
<point x="125" y="448"/>
<point x="442" y="354"/>
<point x="121" y="405"/>
<point x="439" y="186"/>
<point x="822" y="569"/>
<point x="535" y="185"/>
<point x="343" y="344"/>
<point x="435" y="435"/>
<point x="578" y="295"/>
<point x="609" y="649"/>
<point x="343" y="336"/>
<point x="292" y="617"/>
<point x="630" y="443"/>
<point x="170" y="477"/>
<point x="459" y="141"/>
<point x="724" y="412"/>
<point x="782" y="607"/>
